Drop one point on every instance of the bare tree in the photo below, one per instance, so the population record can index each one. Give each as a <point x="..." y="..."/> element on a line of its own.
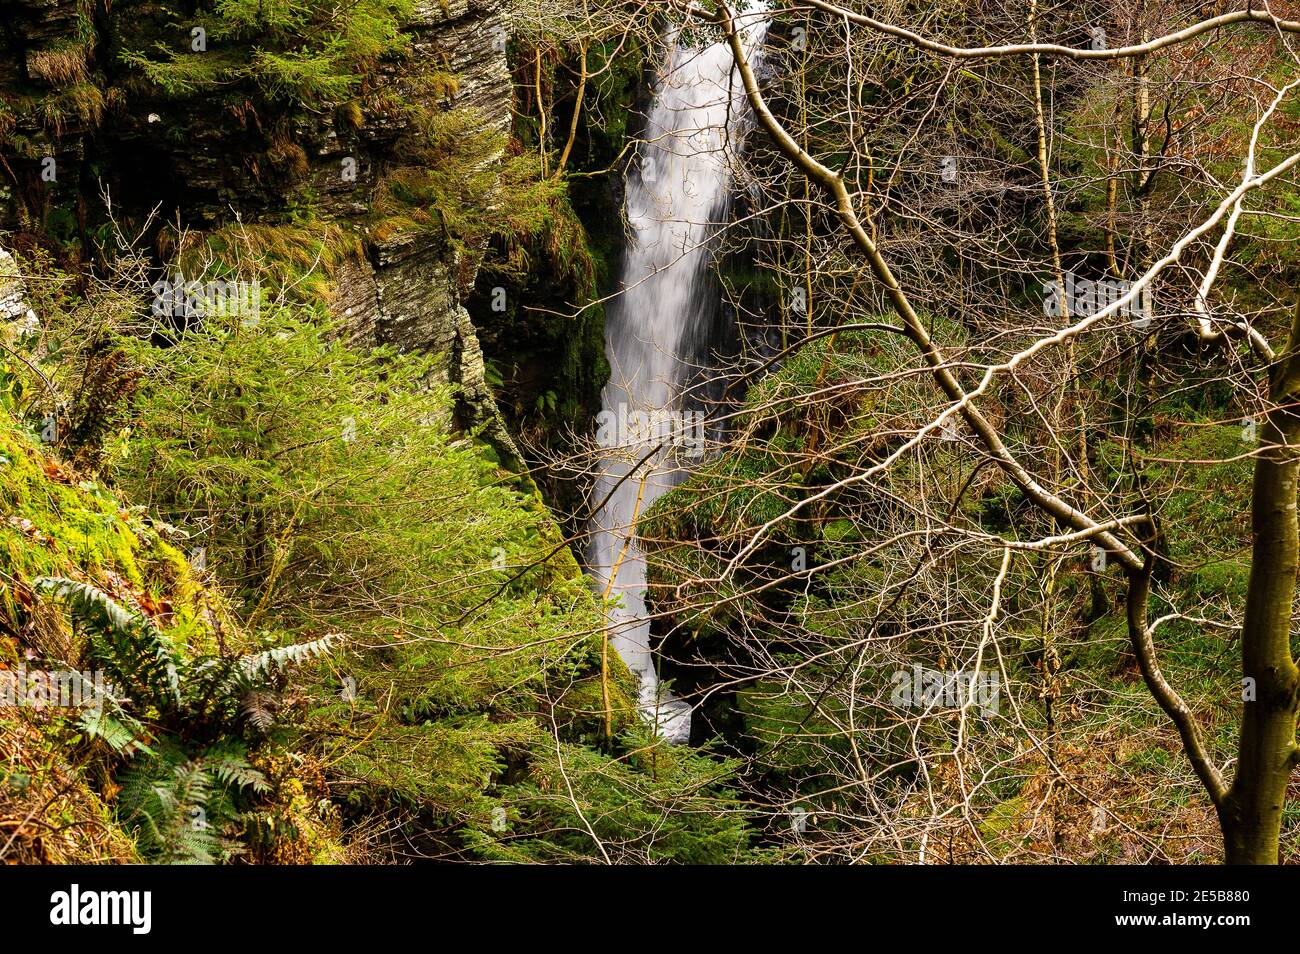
<point x="904" y="210"/>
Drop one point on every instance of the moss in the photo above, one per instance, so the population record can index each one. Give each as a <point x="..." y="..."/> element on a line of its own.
<point x="1002" y="828"/>
<point x="298" y="258"/>
<point x="81" y="103"/>
<point x="581" y="710"/>
<point x="54" y="525"/>
<point x="451" y="186"/>
<point x="308" y="53"/>
<point x="57" y="784"/>
<point x="1199" y="475"/>
<point x="55" y="788"/>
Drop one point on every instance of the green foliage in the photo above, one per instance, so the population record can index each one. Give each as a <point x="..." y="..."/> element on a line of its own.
<point x="329" y="492"/>
<point x="450" y="184"/>
<point x="296" y="260"/>
<point x="173" y="691"/>
<point x="303" y="76"/>
<point x="328" y="488"/>
<point x="287" y="453"/>
<point x="53" y="526"/>
<point x="180" y="795"/>
<point x="311" y="52"/>
<point x="656" y="804"/>
<point x="181" y="690"/>
<point x="182" y="74"/>
<point x="138" y="658"/>
<point x="187" y="810"/>
<point x="540" y="255"/>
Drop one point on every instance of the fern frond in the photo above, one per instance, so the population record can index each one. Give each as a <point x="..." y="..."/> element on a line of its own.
<point x="283" y="656"/>
<point x="192" y="837"/>
<point x="184" y="808"/>
<point x="234" y="771"/>
<point x="257" y="707"/>
<point x="120" y="730"/>
<point x="89" y="603"/>
<point x="128" y="644"/>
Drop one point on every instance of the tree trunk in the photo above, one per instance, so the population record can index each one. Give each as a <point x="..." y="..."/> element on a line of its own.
<point x="1251" y="815"/>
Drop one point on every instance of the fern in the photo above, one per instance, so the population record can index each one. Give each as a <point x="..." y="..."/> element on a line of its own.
<point x="257" y="664"/>
<point x="188" y="835"/>
<point x="107" y="719"/>
<point x="137" y="655"/>
<point x="245" y="687"/>
<point x="120" y="730"/>
<point x="130" y="647"/>
<point x="258" y="708"/>
<point x="233" y="770"/>
<point x="184" y="810"/>
<point x="183" y="799"/>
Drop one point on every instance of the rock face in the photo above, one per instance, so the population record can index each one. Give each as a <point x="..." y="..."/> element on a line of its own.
<point x="418" y="282"/>
<point x="406" y="295"/>
<point x="472" y="35"/>
<point x="13" y="292"/>
<point x="208" y="160"/>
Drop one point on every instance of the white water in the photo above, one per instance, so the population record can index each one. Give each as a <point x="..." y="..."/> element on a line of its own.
<point x="657" y="327"/>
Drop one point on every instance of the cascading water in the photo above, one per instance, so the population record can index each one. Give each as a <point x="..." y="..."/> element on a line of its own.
<point x="657" y="330"/>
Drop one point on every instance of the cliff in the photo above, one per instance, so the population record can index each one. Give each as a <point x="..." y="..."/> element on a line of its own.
<point x="186" y="147"/>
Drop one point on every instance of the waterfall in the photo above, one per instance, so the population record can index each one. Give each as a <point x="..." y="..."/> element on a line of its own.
<point x="657" y="330"/>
